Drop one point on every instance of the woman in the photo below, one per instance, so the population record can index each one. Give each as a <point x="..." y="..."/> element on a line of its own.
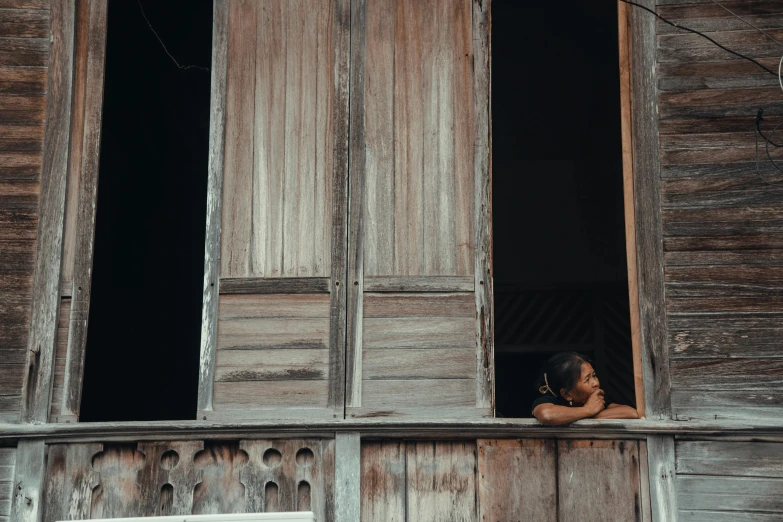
<point x="571" y="391"/>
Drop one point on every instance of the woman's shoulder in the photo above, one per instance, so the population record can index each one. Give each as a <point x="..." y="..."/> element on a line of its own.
<point x="547" y="399"/>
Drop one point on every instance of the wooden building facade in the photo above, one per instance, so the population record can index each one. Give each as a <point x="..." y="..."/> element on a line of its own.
<point x="347" y="334"/>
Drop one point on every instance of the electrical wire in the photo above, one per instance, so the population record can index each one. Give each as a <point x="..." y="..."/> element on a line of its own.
<point x="678" y="26"/>
<point x="746" y="22"/>
<point x="183" y="67"/>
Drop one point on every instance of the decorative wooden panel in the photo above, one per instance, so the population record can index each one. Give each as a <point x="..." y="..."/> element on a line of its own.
<point x="277" y="214"/>
<point x="274" y="357"/>
<point x="7" y="465"/>
<point x="719" y="480"/>
<point x="599" y="480"/>
<point x="517" y="480"/>
<point x="24" y="60"/>
<point x="419" y="220"/>
<point x="86" y="481"/>
<point x="422" y="481"/>
<point x="277" y="180"/>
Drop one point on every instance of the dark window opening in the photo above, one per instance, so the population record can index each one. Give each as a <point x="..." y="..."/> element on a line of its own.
<point x="558" y="218"/>
<point x="145" y="312"/>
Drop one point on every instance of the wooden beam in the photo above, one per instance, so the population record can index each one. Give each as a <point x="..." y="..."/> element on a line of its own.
<point x="85" y="220"/>
<point x="347" y="477"/>
<point x="624" y="40"/>
<point x="482" y="212"/>
<point x="353" y="359"/>
<point x="339" y="291"/>
<point x="647" y="211"/>
<point x="217" y="138"/>
<point x="274" y="285"/>
<point x="37" y="389"/>
<point x="26" y="505"/>
<point x="444" y="284"/>
<point x="660" y="459"/>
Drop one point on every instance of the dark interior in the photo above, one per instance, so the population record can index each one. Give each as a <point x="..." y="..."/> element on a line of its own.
<point x="558" y="220"/>
<point x="145" y="313"/>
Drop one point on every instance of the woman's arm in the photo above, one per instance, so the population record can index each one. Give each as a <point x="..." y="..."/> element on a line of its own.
<point x="553" y="415"/>
<point x="618" y="411"/>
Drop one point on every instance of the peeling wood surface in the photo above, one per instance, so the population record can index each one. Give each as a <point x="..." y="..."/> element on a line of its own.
<point x="28" y="484"/>
<point x="517" y="480"/>
<point x="663" y="477"/>
<point x="347" y="477"/>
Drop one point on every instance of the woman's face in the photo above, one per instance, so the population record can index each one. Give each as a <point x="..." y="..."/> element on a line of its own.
<point x="584" y="386"/>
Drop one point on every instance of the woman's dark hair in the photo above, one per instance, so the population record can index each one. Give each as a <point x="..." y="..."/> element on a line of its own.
<point x="562" y="371"/>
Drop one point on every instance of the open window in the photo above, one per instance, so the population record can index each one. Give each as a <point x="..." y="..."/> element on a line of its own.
<point x="559" y="217"/>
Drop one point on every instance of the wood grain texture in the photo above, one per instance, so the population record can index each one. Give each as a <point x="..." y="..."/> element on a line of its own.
<point x="46" y="291"/>
<point x="291" y="465"/>
<point x="169" y="464"/>
<point x="418" y="284"/>
<point x="663" y="477"/>
<point x="270" y="285"/>
<point x="517" y="480"/>
<point x="741" y="494"/>
<point x="70" y="480"/>
<point x="86" y="209"/>
<point x="212" y="247"/>
<point x="737" y="459"/>
<point x="280" y="139"/>
<point x="347" y="477"/>
<point x="60" y="353"/>
<point x="220" y="489"/>
<point x="442" y="481"/>
<point x="29" y="470"/>
<point x="611" y="468"/>
<point x="383" y="481"/>
<point x="649" y="241"/>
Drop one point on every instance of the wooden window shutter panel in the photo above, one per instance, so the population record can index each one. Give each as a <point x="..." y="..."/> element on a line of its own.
<point x="419" y="303"/>
<point x="273" y="335"/>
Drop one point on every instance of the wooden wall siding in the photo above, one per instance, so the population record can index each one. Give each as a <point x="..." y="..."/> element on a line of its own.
<point x="87" y="481"/>
<point x="720" y="481"/>
<point x="418" y="481"/>
<point x="418" y="355"/>
<point x="277" y="182"/>
<point x="517" y="480"/>
<point x="60" y="351"/>
<point x="722" y="223"/>
<point x="24" y="59"/>
<point x="273" y="356"/>
<point x="418" y="187"/>
<point x="7" y="465"/>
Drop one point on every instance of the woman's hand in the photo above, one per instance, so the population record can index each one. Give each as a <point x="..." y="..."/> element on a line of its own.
<point x="618" y="411"/>
<point x="595" y="403"/>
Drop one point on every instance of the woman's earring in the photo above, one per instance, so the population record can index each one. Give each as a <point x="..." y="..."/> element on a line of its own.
<point x="570" y="403"/>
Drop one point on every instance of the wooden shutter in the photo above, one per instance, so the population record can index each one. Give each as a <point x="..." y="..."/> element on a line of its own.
<point x="274" y="303"/>
<point x="419" y="322"/>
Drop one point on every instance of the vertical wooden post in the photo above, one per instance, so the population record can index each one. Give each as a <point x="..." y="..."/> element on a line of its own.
<point x="28" y="481"/>
<point x="85" y="220"/>
<point x="217" y="137"/>
<point x="37" y="389"/>
<point x="663" y="497"/>
<point x="347" y="477"/>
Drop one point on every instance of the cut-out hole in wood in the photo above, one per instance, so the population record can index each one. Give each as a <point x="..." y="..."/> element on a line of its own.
<point x="118" y="494"/>
<point x="220" y="490"/>
<point x="304" y="457"/>
<point x="169" y="460"/>
<point x="166" y="500"/>
<point x="303" y="497"/>
<point x="272" y="458"/>
<point x="271" y="498"/>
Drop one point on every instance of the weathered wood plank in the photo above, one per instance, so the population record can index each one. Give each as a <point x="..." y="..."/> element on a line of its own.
<point x="247" y="395"/>
<point x="220" y="490"/>
<point x="737" y="459"/>
<point x="60" y="353"/>
<point x="726" y="516"/>
<point x="23" y="52"/>
<point x="168" y="466"/>
<point x="46" y="292"/>
<point x="268" y="306"/>
<point x="517" y="480"/>
<point x="712" y="258"/>
<point x="272" y="365"/>
<point x="212" y="249"/>
<point x="411" y="363"/>
<point x="418" y="284"/>
<point x="86" y="209"/>
<point x="743" y="406"/>
<point x="727" y="374"/>
<point x="422" y="393"/>
<point x="663" y="477"/>
<point x="70" y="480"/>
<point x="347" y="477"/>
<point x="730" y="493"/>
<point x="26" y="23"/>
<point x="237" y="207"/>
<point x="645" y="107"/>
<point x="274" y="285"/>
<point x="27" y="503"/>
<point x="612" y="470"/>
<point x="442" y="481"/>
<point x="422" y="332"/>
<point x="251" y="334"/>
<point x="413" y="306"/>
<point x="383" y="481"/>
